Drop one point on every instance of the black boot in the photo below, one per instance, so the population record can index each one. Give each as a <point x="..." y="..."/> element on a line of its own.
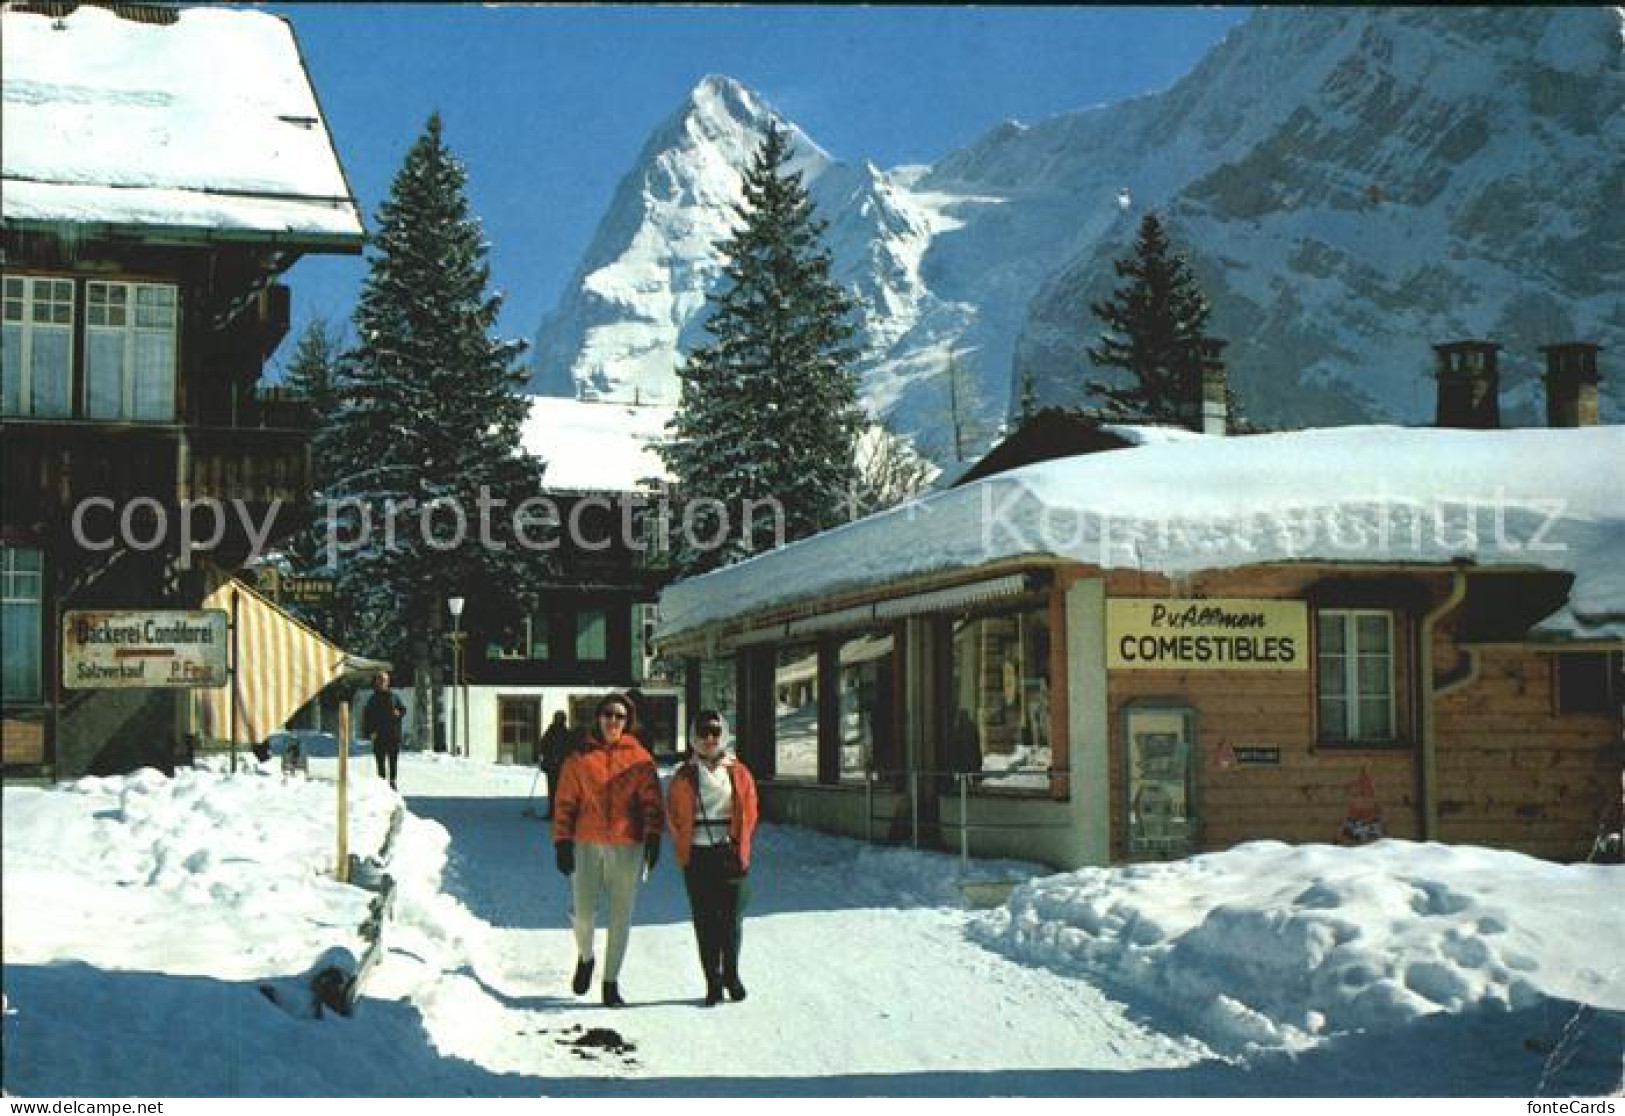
<point x="736" y="990"/>
<point x="713" y="991"/>
<point x="612" y="995"/>
<point x="583" y="977"/>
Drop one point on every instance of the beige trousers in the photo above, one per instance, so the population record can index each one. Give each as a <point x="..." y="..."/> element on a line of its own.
<point x="610" y="872"/>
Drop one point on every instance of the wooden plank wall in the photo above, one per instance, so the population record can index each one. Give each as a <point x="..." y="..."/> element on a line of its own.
<point x="1512" y="773"/>
<point x="1515" y="774"/>
<point x="1306" y="798"/>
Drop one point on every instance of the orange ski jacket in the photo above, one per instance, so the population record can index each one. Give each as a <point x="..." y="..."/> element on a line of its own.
<point x="682" y="809"/>
<point x="608" y="793"/>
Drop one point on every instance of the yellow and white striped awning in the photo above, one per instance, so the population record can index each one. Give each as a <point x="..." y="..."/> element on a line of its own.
<point x="280" y="665"/>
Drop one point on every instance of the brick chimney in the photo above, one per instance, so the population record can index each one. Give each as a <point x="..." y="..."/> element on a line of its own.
<point x="1469" y="385"/>
<point x="1208" y="411"/>
<point x="1571" y="384"/>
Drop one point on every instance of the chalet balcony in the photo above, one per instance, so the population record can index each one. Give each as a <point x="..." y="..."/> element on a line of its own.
<point x="52" y="464"/>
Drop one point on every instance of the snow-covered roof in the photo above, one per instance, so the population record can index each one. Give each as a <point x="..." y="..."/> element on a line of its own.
<point x="206" y="123"/>
<point x="1536" y="498"/>
<point x="596" y="446"/>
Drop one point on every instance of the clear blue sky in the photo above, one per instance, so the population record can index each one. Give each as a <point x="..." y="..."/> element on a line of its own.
<point x="549" y="106"/>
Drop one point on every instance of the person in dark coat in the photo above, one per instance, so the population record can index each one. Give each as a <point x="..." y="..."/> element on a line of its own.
<point x="712" y="811"/>
<point x="381" y="723"/>
<point x="557" y="744"/>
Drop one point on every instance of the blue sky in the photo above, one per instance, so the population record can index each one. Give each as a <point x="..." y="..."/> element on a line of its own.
<point x="549" y="106"/>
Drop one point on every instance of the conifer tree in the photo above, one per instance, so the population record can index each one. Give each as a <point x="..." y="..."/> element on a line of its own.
<point x="1155" y="325"/>
<point x="312" y="373"/>
<point x="429" y="414"/>
<point x="768" y="416"/>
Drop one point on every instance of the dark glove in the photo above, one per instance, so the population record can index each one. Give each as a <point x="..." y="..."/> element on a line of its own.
<point x="565" y="854"/>
<point x="651" y="851"/>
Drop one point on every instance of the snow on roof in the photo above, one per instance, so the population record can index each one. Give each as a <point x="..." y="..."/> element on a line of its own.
<point x="208" y="122"/>
<point x="1539" y="498"/>
<point x="596" y="446"/>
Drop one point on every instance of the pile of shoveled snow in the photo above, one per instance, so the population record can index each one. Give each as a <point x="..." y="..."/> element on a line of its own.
<point x="229" y="875"/>
<point x="1268" y="945"/>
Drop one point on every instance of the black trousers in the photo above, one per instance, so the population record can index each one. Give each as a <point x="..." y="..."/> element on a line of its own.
<point x="716" y="899"/>
<point x="387" y="755"/>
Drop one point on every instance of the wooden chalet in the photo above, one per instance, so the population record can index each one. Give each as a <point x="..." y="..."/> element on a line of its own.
<point x="1189" y="641"/>
<point x="589" y="633"/>
<point x="163" y="168"/>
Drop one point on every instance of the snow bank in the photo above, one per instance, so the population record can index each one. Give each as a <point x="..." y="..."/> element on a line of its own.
<point x="1270" y="945"/>
<point x="205" y="873"/>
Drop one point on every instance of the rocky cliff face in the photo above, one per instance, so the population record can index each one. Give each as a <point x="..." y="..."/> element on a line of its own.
<point x="1352" y="186"/>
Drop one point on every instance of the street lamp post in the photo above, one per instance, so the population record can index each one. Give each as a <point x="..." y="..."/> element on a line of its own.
<point x="455" y="604"/>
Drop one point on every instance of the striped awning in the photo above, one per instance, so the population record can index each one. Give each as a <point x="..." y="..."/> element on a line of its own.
<point x="280" y="665"/>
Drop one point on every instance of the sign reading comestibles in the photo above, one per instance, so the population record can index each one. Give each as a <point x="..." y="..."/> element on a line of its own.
<point x="1219" y="633"/>
<point x="138" y="649"/>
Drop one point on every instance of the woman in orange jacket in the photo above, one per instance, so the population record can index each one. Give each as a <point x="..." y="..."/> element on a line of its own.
<point x="606" y="834"/>
<point x="712" y="812"/>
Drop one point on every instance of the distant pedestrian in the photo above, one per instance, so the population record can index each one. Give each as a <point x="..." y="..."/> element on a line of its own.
<point x="712" y="811"/>
<point x="556" y="745"/>
<point x="381" y="723"/>
<point x="606" y="834"/>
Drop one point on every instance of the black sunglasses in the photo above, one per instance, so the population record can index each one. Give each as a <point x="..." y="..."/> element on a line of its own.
<point x="611" y="715"/>
<point x="710" y="730"/>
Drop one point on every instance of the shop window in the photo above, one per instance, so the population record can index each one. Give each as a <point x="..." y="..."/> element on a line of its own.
<point x="36" y="366"/>
<point x="21" y="591"/>
<point x="1355" y="673"/>
<point x="866" y="696"/>
<point x="130" y="351"/>
<point x="999" y="722"/>
<point x="1590" y="681"/>
<point x="795" y="712"/>
<point x="528" y="642"/>
<point x="592" y="635"/>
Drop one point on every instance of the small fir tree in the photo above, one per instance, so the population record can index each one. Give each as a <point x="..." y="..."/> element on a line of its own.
<point x="768" y="416"/>
<point x="313" y="371"/>
<point x="428" y="415"/>
<point x="1155" y="330"/>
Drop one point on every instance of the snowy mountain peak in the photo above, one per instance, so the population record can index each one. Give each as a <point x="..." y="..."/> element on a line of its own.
<point x="1352" y="185"/>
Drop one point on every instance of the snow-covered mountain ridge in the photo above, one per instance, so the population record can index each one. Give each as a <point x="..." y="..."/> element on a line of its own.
<point x="1353" y="185"/>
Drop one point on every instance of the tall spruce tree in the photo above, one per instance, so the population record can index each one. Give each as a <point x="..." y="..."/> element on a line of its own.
<point x="1155" y="330"/>
<point x="768" y="415"/>
<point x="429" y="415"/>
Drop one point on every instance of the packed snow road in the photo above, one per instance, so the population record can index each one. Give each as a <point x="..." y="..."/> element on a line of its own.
<point x="861" y="977"/>
<point x="147" y="917"/>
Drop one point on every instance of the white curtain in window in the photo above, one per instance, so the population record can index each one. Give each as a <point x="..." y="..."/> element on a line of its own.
<point x="49" y="369"/>
<point x="153" y="367"/>
<point x="104" y="367"/>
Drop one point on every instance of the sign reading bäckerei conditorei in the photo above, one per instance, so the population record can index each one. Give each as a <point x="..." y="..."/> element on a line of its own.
<point x="1218" y="633"/>
<point x="144" y="649"/>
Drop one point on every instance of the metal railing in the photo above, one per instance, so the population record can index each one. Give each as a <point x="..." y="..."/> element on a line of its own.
<point x="912" y="780"/>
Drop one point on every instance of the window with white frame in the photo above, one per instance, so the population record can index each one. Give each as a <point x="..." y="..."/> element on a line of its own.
<point x="20" y="601"/>
<point x="130" y="351"/>
<point x="36" y="379"/>
<point x="529" y="641"/>
<point x="1355" y="663"/>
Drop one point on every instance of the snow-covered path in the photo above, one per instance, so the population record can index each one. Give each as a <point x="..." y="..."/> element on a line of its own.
<point x="145" y="916"/>
<point x="858" y="983"/>
<point x="863" y="982"/>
